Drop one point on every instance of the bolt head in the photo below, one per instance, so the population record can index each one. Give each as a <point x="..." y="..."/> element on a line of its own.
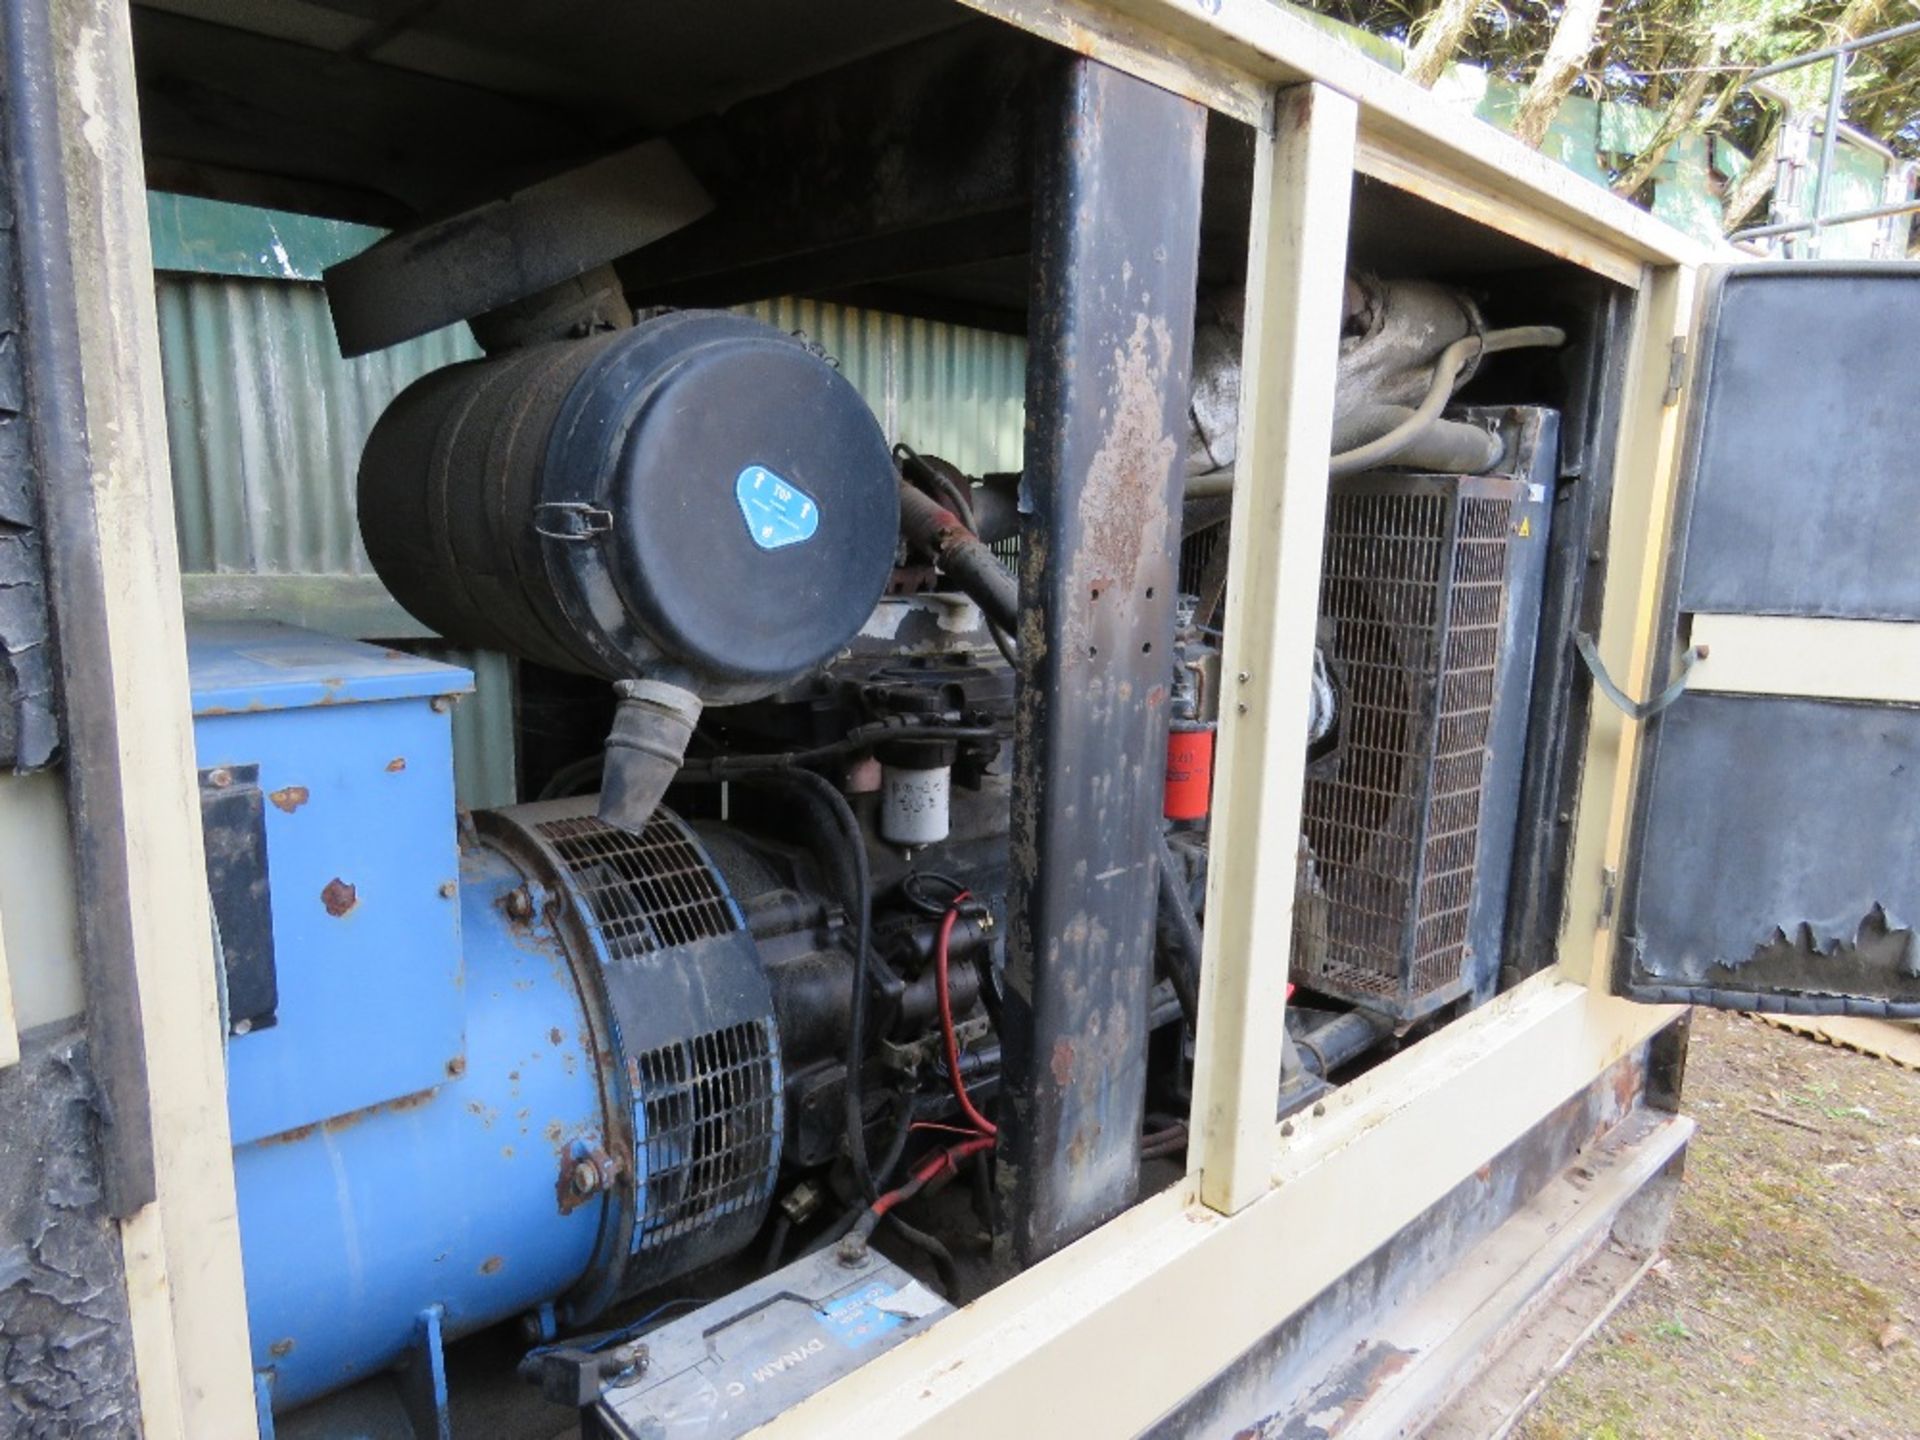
<point x="520" y="904"/>
<point x="586" y="1177"/>
<point x="449" y="889"/>
<point x="220" y="779"/>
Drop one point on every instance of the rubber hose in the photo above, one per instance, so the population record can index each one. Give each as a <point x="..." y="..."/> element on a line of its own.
<point x="1446" y="371"/>
<point x="1178" y="931"/>
<point x="932" y="528"/>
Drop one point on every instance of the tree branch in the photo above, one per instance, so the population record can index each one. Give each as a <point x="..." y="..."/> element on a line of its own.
<point x="1441" y="33"/>
<point x="1573" y="41"/>
<point x="1681" y="117"/>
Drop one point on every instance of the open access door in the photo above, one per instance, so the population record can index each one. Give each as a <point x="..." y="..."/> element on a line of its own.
<point x="1775" y="854"/>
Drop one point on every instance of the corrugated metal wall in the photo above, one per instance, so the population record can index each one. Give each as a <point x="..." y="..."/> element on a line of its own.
<point x="943" y="389"/>
<point x="266" y="424"/>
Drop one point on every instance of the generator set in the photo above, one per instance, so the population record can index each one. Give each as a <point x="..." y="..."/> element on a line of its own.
<point x="668" y="1066"/>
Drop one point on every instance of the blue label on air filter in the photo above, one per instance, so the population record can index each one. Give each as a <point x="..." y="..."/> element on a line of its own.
<point x="777" y="513"/>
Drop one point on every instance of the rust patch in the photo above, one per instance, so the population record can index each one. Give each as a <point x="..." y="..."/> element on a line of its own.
<point x="554" y="1036"/>
<point x="396" y="764"/>
<point x="291" y="1137"/>
<point x="339" y="897"/>
<point x="1062" y="1063"/>
<point x="1347" y="1392"/>
<point x="1123" y="503"/>
<point x="582" y="1177"/>
<point x="335" y="1124"/>
<point x="1628" y="1082"/>
<point x="290" y="797"/>
<point x="491" y="1265"/>
<point x="457" y="1066"/>
<point x="517" y="905"/>
<point x="347" y="1121"/>
<point x="280" y="1348"/>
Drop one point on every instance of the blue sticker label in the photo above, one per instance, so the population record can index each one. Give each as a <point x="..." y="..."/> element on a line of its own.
<point x="857" y="1319"/>
<point x="777" y="513"/>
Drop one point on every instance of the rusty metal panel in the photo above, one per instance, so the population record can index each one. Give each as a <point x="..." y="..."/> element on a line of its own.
<point x="1779" y="867"/>
<point x="1115" y="256"/>
<point x="63" y="1295"/>
<point x="1772" y="862"/>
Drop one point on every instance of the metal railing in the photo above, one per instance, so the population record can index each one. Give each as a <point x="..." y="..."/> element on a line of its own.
<point x="1840" y="57"/>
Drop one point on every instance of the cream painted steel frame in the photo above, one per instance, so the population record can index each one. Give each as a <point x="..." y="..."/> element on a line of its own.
<point x="1802" y="655"/>
<point x="1129" y="1320"/>
<point x="181" y="1252"/>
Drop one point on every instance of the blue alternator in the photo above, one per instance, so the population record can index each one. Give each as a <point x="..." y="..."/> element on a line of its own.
<point x="683" y="1029"/>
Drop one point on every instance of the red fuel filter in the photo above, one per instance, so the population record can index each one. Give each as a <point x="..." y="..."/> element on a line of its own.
<point x="1189" y="771"/>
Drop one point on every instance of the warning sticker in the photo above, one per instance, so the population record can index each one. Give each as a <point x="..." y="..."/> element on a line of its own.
<point x="777" y="513"/>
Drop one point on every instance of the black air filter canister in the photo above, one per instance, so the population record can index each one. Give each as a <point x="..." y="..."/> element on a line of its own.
<point x="700" y="500"/>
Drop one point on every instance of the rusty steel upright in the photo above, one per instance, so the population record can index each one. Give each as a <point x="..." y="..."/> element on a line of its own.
<point x="1114" y="261"/>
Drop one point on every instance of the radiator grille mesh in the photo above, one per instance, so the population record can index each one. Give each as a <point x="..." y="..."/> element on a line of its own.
<point x="711" y="1131"/>
<point x="644" y="892"/>
<point x="1412" y="602"/>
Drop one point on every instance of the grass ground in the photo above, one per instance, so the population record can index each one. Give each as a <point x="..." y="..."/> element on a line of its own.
<point x="1788" y="1303"/>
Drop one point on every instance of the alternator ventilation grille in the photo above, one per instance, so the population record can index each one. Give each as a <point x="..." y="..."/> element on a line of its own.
<point x="1411" y="613"/>
<point x="711" y="1132"/>
<point x="644" y="892"/>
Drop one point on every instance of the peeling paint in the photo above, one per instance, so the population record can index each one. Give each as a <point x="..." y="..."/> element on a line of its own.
<point x="66" y="1356"/>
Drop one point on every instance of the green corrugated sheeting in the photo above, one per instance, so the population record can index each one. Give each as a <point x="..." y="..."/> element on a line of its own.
<point x="944" y="389"/>
<point x="267" y="422"/>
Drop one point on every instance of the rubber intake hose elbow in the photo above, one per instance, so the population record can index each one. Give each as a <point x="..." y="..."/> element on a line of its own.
<point x="645" y="749"/>
<point x="932" y="529"/>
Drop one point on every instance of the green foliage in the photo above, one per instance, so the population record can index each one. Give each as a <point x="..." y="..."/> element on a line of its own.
<point x="1650" y="48"/>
